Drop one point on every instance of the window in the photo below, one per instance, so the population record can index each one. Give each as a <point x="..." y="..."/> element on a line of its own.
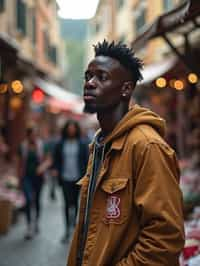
<point x="2" y="5"/>
<point x="34" y="27"/>
<point x="97" y="27"/>
<point x="50" y="51"/>
<point x="46" y="43"/>
<point x="31" y="24"/>
<point x="120" y="3"/>
<point x="53" y="54"/>
<point x="140" y="20"/>
<point x="21" y="16"/>
<point x="167" y="4"/>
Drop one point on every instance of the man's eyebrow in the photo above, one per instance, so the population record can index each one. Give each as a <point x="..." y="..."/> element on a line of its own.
<point x="102" y="70"/>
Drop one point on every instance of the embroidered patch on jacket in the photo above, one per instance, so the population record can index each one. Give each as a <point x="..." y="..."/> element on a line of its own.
<point x="112" y="209"/>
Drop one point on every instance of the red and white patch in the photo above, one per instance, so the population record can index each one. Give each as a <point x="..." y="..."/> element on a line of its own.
<point x="112" y="209"/>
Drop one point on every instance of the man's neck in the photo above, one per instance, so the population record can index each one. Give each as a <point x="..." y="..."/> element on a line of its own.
<point x="109" y="119"/>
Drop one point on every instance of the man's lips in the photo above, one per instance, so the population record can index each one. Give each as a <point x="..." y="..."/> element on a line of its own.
<point x="88" y="97"/>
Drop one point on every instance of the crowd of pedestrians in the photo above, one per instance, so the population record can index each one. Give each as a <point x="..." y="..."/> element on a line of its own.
<point x="57" y="159"/>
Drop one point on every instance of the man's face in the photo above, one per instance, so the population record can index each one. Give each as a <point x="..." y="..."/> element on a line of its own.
<point x="104" y="79"/>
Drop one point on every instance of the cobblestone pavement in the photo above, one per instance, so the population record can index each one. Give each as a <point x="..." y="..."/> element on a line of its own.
<point x="45" y="249"/>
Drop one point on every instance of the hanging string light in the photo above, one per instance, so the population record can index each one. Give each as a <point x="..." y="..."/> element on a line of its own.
<point x="15" y="102"/>
<point x="3" y="87"/>
<point x="192" y="78"/>
<point x="161" y="82"/>
<point x="179" y="85"/>
<point x="17" y="86"/>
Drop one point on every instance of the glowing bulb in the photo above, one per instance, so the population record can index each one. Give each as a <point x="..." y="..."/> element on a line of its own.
<point x="38" y="96"/>
<point x="3" y="88"/>
<point x="17" y="86"/>
<point x="161" y="82"/>
<point x="178" y="85"/>
<point x="192" y="78"/>
<point x="171" y="83"/>
<point x="15" y="102"/>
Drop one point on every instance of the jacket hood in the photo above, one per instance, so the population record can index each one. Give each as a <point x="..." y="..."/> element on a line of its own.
<point x="136" y="116"/>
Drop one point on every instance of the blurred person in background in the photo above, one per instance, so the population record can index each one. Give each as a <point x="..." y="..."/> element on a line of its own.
<point x="131" y="210"/>
<point x="70" y="161"/>
<point x="4" y="154"/>
<point x="4" y="148"/>
<point x="50" y="138"/>
<point x="31" y="168"/>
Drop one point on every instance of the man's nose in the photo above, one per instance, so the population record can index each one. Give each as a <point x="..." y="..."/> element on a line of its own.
<point x="92" y="82"/>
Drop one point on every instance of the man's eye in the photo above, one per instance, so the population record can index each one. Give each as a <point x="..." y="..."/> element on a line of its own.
<point x="103" y="77"/>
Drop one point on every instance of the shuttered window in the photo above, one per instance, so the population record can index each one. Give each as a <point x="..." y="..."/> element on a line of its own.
<point x="53" y="54"/>
<point x="21" y="17"/>
<point x="34" y="27"/>
<point x="46" y="43"/>
<point x="120" y="3"/>
<point x="140" y="21"/>
<point x="2" y="5"/>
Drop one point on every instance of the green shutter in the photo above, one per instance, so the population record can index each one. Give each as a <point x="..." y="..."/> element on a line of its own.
<point x="140" y="21"/>
<point x="46" y="43"/>
<point x="21" y="16"/>
<point x="2" y="5"/>
<point x="34" y="27"/>
<point x="120" y="3"/>
<point x="53" y="54"/>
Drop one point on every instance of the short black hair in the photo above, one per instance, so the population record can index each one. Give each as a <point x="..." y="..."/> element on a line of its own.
<point x="123" y="54"/>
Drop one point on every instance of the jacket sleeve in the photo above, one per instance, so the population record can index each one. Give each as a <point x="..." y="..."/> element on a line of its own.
<point x="159" y="202"/>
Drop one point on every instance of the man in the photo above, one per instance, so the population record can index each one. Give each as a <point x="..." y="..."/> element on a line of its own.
<point x="131" y="204"/>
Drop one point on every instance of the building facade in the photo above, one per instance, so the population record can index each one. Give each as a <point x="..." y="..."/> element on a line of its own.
<point x="102" y="26"/>
<point x="29" y="42"/>
<point x="124" y="20"/>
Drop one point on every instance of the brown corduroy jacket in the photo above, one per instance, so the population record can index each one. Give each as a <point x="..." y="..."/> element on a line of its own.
<point x="136" y="213"/>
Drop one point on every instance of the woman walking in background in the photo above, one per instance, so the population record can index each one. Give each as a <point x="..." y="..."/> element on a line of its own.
<point x="30" y="171"/>
<point x="70" y="161"/>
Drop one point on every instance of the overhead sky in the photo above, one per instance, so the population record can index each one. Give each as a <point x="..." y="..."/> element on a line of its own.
<point x="77" y="9"/>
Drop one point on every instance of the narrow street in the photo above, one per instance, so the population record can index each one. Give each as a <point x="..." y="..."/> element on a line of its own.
<point x="45" y="248"/>
<point x="108" y="90"/>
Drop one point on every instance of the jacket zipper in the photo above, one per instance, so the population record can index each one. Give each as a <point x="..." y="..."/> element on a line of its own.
<point x="90" y="194"/>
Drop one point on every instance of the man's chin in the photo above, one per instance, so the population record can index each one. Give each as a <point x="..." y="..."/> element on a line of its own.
<point x="89" y="109"/>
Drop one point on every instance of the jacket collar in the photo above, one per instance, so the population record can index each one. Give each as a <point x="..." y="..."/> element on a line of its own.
<point x="118" y="144"/>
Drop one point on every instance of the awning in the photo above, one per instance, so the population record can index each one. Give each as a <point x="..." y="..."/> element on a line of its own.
<point x="155" y="70"/>
<point x="9" y="42"/>
<point x="170" y="21"/>
<point x="60" y="98"/>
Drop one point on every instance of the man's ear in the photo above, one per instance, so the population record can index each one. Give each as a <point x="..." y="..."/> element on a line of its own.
<point x="127" y="90"/>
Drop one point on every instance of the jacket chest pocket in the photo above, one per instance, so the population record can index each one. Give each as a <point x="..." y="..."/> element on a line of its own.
<point x="115" y="200"/>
